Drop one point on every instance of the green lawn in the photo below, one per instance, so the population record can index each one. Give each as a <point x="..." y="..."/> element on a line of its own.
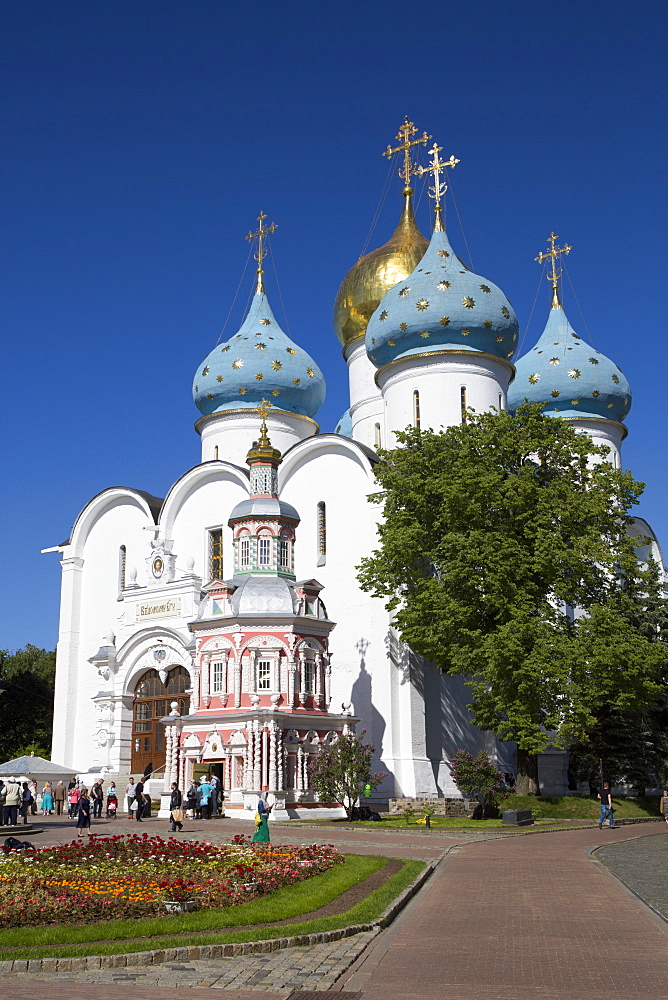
<point x="111" y="938"/>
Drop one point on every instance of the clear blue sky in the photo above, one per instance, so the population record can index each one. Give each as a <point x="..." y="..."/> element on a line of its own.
<point x="142" y="138"/>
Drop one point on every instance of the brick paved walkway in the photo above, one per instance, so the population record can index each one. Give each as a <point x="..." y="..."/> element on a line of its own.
<point x="524" y="916"/>
<point x="643" y="865"/>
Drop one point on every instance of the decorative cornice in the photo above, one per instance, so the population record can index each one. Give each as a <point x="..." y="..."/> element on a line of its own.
<point x="445" y="353"/>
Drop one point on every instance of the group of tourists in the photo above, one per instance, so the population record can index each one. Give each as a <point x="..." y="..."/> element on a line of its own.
<point x="95" y="797"/>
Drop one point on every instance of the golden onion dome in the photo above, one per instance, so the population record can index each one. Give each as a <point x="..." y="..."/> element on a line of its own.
<point x="373" y="275"/>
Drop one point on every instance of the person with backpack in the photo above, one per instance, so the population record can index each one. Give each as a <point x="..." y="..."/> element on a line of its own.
<point x="26" y="802"/>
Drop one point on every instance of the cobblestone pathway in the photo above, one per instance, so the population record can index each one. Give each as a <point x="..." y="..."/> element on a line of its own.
<point x="643" y="865"/>
<point x="281" y="972"/>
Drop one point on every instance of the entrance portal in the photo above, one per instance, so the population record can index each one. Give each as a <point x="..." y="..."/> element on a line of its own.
<point x="152" y="701"/>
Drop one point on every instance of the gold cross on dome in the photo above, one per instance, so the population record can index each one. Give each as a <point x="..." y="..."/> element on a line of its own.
<point x="404" y="134"/>
<point x="260" y="235"/>
<point x="554" y="273"/>
<point x="264" y="408"/>
<point x="436" y="168"/>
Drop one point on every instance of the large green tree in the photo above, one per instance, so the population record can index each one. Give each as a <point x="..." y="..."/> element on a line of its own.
<point x="27" y="679"/>
<point x="492" y="533"/>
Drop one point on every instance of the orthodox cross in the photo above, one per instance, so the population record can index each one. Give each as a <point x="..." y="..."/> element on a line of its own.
<point x="261" y="252"/>
<point x="436" y="168"/>
<point x="263" y="410"/>
<point x="554" y="273"/>
<point x="405" y="143"/>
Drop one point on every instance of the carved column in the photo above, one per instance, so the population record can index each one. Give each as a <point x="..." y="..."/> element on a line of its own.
<point x="237" y="681"/>
<point x="299" y="784"/>
<point x="292" y="679"/>
<point x="206" y="685"/>
<point x="273" y="758"/>
<point x="252" y="672"/>
<point x="317" y="667"/>
<point x="194" y="696"/>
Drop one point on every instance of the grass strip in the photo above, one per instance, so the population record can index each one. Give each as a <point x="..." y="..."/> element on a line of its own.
<point x="362" y="913"/>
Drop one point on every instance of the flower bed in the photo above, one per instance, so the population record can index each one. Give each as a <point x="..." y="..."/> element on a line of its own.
<point x="112" y="877"/>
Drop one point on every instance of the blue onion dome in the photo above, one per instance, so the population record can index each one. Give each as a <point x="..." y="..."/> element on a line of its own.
<point x="345" y="425"/>
<point x="441" y="306"/>
<point x="568" y="376"/>
<point x="259" y="362"/>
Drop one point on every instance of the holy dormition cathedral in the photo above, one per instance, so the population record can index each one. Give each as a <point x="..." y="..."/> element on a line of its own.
<point x="222" y="626"/>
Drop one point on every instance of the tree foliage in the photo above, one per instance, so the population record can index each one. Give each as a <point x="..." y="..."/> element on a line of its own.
<point x="338" y="771"/>
<point x="26" y="705"/>
<point x="492" y="533"/>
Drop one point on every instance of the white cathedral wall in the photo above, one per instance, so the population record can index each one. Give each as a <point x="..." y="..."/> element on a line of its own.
<point x="228" y="435"/>
<point x="439" y="380"/>
<point x="89" y="611"/>
<point x="608" y="433"/>
<point x="366" y="405"/>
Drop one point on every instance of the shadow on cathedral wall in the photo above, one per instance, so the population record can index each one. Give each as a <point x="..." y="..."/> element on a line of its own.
<point x="363" y="706"/>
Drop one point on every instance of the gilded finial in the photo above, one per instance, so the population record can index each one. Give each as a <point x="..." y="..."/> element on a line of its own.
<point x="554" y="273"/>
<point x="404" y="134"/>
<point x="437" y="190"/>
<point x="261" y="252"/>
<point x="263" y="410"/>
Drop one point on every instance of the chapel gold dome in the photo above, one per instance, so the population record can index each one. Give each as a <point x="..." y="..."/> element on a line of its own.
<point x="373" y="275"/>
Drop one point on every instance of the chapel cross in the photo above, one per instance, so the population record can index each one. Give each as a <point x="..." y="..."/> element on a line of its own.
<point x="554" y="274"/>
<point x="261" y="252"/>
<point x="404" y="135"/>
<point x="437" y="167"/>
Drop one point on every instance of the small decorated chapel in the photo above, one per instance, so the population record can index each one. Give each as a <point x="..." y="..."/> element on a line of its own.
<point x="193" y="634"/>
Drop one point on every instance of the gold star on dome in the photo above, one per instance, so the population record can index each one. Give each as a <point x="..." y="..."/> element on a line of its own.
<point x="290" y="350"/>
<point x="499" y="340"/>
<point x="596" y="393"/>
<point x="223" y="349"/>
<point x="392" y="343"/>
<point x="265" y="322"/>
<point x="424" y="334"/>
<point x="238" y="363"/>
<point x="373" y="340"/>
<point x="510" y="354"/>
<point x="554" y="393"/>
<point x="219" y="378"/>
<point x="465" y="331"/>
<point x="404" y="291"/>
<point x="205" y="371"/>
<point x="259" y="376"/>
<point x="242" y="391"/>
<point x="505" y="312"/>
<point x="196" y="388"/>
<point x="276" y="392"/>
<point x="593" y="361"/>
<point x="488" y="323"/>
<point x="486" y="289"/>
<point x="276" y="365"/>
<point x="260" y="346"/>
<point x="445" y="320"/>
<point x="310" y="373"/>
<point x="383" y="315"/>
<point x="443" y="253"/>
<point x="555" y="361"/>
<point x="514" y="337"/>
<point x="468" y="302"/>
<point x="209" y="395"/>
<point x="574" y="373"/>
<point x="403" y="326"/>
<point x="443" y="285"/>
<point x="610" y="405"/>
<point x="615" y="378"/>
<point x="575" y="402"/>
<point x="534" y="378"/>
<point x="296" y="381"/>
<point x="422" y="304"/>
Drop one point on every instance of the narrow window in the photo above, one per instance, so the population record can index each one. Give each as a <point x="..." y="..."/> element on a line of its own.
<point x="218" y="678"/>
<point x="416" y="408"/>
<point x="322" y="532"/>
<point x="462" y="400"/>
<point x="216" y="554"/>
<point x="284" y="553"/>
<point x="264" y="675"/>
<point x="500" y="402"/>
<point x="377" y="435"/>
<point x="244" y="549"/>
<point x="122" y="561"/>
<point x="215" y="452"/>
<point x="308" y="677"/>
<point x="264" y="550"/>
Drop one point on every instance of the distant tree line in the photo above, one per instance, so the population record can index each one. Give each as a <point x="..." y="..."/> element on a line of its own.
<point x="27" y="681"/>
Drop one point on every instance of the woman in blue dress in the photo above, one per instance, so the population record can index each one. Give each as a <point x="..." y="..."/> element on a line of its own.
<point x="47" y="799"/>
<point x="261" y="835"/>
<point x="83" y="820"/>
